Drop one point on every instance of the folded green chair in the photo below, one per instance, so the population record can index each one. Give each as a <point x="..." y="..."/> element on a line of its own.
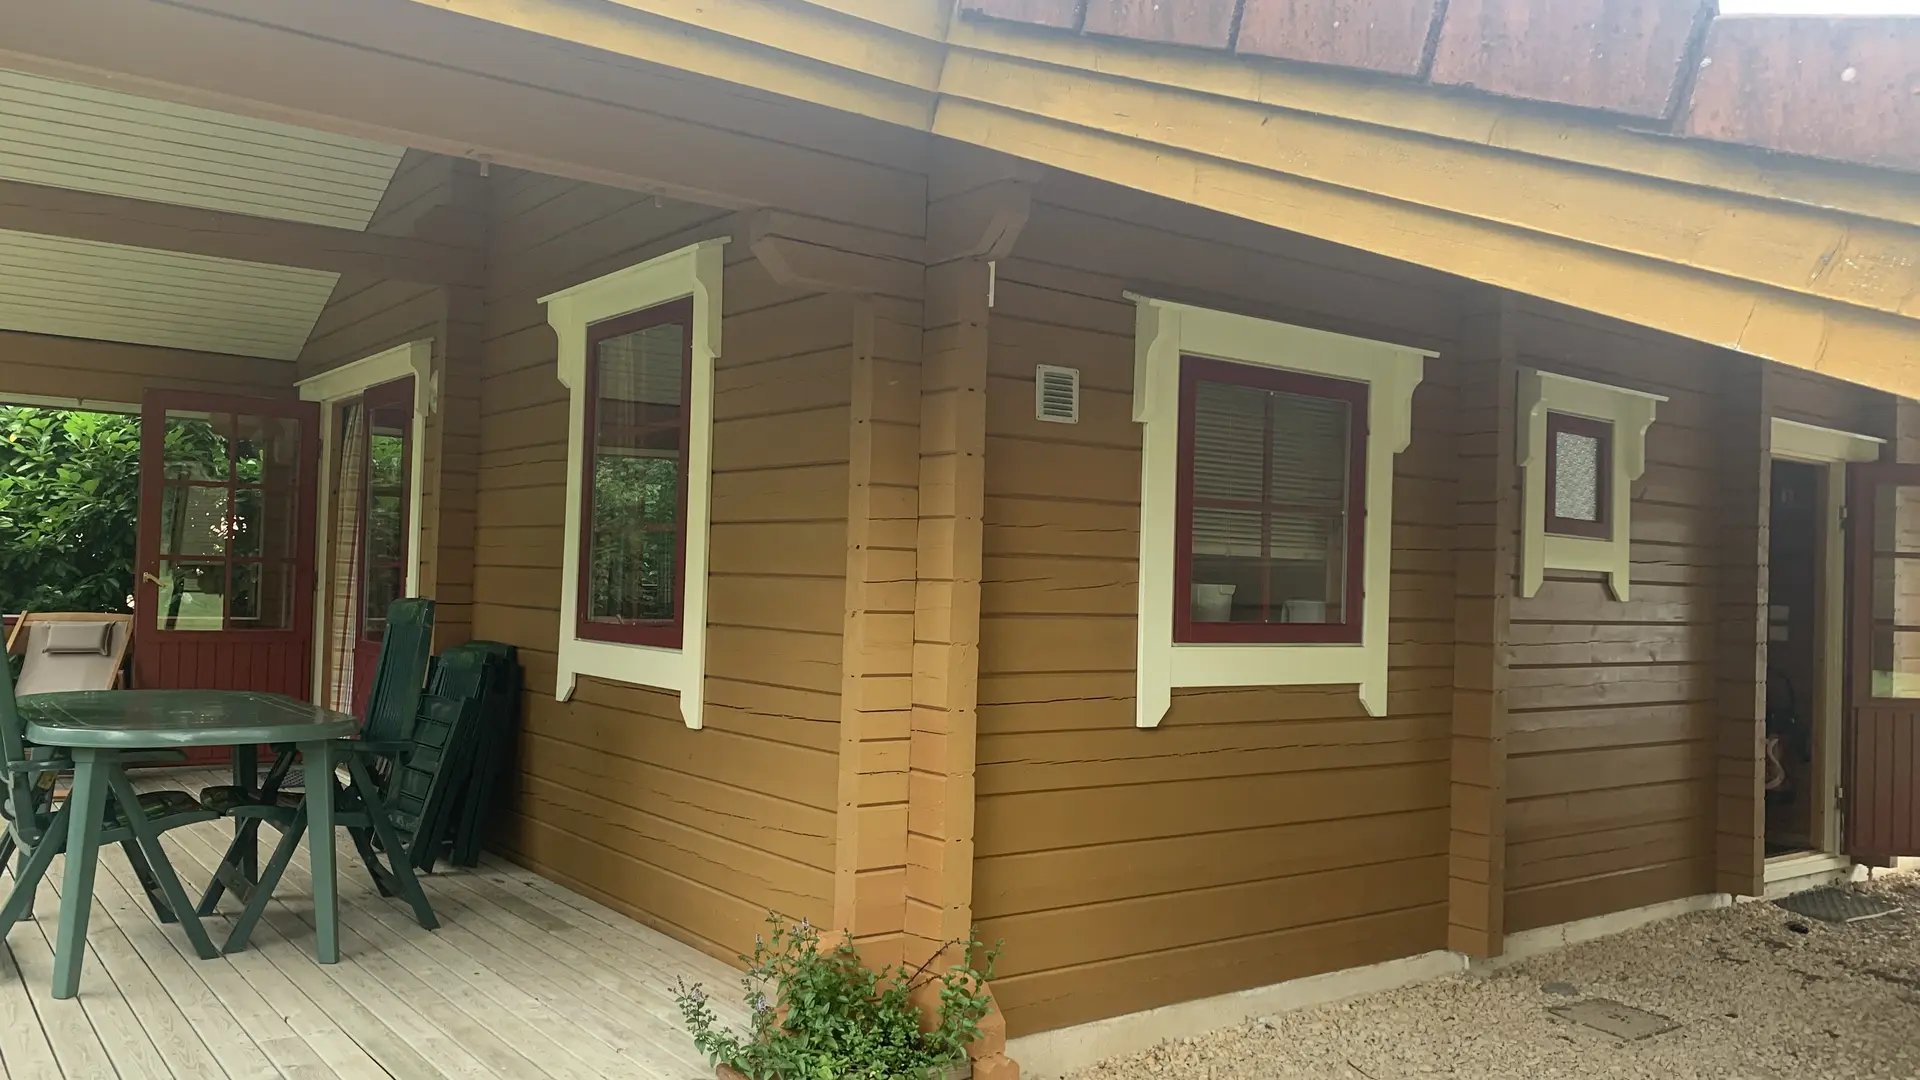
<point x="396" y="699"/>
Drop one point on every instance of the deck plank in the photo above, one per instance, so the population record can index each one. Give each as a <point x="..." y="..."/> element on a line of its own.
<point x="523" y="979"/>
<point x="25" y="1053"/>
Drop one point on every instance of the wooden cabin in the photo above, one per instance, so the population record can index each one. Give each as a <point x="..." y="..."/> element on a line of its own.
<point x="1211" y="503"/>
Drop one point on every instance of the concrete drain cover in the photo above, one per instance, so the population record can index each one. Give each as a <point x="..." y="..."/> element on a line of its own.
<point x="1621" y="1021"/>
<point x="1835" y="905"/>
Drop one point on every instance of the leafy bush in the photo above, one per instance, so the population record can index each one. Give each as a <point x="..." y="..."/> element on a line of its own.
<point x="69" y="501"/>
<point x="833" y="1018"/>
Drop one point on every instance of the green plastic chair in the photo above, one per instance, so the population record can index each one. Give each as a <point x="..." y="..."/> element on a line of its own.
<point x="394" y="701"/>
<point x="38" y="832"/>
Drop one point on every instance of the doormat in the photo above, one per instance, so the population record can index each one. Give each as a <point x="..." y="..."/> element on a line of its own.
<point x="1835" y="905"/>
<point x="1621" y="1021"/>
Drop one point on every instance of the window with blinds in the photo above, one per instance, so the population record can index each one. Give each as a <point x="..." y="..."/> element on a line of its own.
<point x="633" y="497"/>
<point x="1271" y="517"/>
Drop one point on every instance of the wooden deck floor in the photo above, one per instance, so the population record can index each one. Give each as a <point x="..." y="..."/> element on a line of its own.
<point x="523" y="979"/>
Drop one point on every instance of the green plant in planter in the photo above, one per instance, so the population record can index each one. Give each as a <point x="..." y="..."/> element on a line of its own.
<point x="830" y="1017"/>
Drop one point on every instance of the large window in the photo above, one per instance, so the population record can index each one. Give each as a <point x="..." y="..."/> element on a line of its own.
<point x="636" y="354"/>
<point x="1267" y="452"/>
<point x="1272" y="505"/>
<point x="634" y="494"/>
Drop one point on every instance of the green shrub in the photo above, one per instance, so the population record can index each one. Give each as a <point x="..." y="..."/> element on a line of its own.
<point x="69" y="500"/>
<point x="833" y="1018"/>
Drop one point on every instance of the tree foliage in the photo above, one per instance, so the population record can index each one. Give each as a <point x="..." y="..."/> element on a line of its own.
<point x="69" y="504"/>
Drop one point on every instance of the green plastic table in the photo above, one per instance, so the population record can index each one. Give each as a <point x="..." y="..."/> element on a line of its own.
<point x="101" y="727"/>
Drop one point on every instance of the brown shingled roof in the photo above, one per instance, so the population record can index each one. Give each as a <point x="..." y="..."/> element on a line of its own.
<point x="1843" y="88"/>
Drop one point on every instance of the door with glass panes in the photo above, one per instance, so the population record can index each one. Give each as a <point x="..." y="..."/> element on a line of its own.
<point x="223" y="598"/>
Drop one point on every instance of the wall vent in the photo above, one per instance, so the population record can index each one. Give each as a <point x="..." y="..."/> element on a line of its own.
<point x="1056" y="394"/>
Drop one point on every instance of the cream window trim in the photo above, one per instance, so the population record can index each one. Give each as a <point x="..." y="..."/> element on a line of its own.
<point x="1166" y="331"/>
<point x="1822" y="446"/>
<point x="351" y="379"/>
<point x="696" y="272"/>
<point x="1631" y="413"/>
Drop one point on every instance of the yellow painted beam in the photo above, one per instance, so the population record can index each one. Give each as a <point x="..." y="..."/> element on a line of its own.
<point x="1551" y="133"/>
<point x="1847" y="260"/>
<point x="921" y="18"/>
<point x="1854" y="344"/>
<point x="786" y="68"/>
<point x="808" y="30"/>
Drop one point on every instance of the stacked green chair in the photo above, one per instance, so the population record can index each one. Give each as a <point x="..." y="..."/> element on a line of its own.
<point x="492" y="747"/>
<point x="423" y="790"/>
<point x="386" y="739"/>
<point x="38" y="832"/>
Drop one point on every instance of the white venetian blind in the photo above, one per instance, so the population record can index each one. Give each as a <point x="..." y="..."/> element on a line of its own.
<point x="1304" y="500"/>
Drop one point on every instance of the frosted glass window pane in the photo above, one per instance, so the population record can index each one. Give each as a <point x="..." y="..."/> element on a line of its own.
<point x="1576" y="489"/>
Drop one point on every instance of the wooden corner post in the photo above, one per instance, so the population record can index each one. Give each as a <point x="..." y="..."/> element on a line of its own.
<point x="971" y="225"/>
<point x="1745" y="449"/>
<point x="871" y="287"/>
<point x="1486" y="531"/>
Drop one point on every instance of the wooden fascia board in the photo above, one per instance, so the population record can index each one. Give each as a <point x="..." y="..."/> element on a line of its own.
<point x="888" y="77"/>
<point x="1851" y="261"/>
<point x="921" y="18"/>
<point x="1853" y="344"/>
<point x="114" y="219"/>
<point x="805" y="30"/>
<point x="1553" y="133"/>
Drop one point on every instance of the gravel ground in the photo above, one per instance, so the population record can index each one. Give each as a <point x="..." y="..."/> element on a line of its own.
<point x="1760" y="994"/>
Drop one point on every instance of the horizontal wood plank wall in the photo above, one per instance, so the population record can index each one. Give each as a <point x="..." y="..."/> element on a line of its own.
<point x="1612" y="727"/>
<point x="696" y="832"/>
<point x="1257" y="835"/>
<point x="1811" y="398"/>
<point x="117" y="373"/>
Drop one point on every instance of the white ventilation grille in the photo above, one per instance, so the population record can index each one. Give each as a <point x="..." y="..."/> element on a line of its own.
<point x="1056" y="394"/>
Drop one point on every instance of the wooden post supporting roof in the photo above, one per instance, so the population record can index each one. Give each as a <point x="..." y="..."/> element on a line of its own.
<point x="877" y="643"/>
<point x="969" y="227"/>
<point x="1485" y="533"/>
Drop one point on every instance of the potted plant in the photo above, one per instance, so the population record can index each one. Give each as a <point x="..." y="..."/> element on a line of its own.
<point x="821" y="1014"/>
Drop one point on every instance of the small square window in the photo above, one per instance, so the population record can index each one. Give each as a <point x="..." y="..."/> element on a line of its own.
<point x="1272" y="487"/>
<point x="1579" y="476"/>
<point x="634" y="492"/>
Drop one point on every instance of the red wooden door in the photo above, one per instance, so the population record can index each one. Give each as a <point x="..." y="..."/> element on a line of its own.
<point x="384" y="524"/>
<point x="224" y="596"/>
<point x="1882" y="762"/>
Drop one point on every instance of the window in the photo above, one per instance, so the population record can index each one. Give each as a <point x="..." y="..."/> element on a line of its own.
<point x="1266" y="450"/>
<point x="636" y="353"/>
<point x="1272" y="497"/>
<point x="1581" y="446"/>
<point x="1579" y="472"/>
<point x="633" y="501"/>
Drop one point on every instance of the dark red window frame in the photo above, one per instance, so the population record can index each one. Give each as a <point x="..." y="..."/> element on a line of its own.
<point x="1602" y="432"/>
<point x="663" y="633"/>
<point x="1195" y="370"/>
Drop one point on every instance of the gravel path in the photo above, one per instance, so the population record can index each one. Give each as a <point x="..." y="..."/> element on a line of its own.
<point x="1760" y="994"/>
